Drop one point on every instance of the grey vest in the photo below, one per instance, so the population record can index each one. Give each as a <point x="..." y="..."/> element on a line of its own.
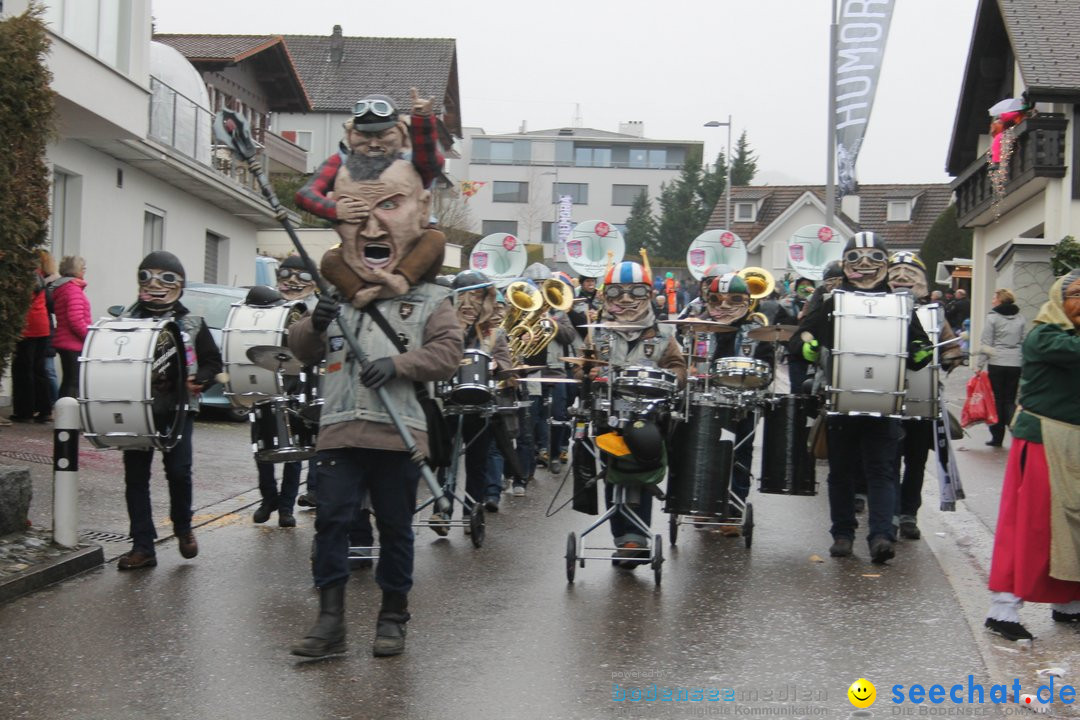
<point x="646" y="352"/>
<point x="346" y="398"/>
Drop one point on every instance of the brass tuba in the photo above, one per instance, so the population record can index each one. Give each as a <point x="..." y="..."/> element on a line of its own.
<point x="533" y="330"/>
<point x="759" y="281"/>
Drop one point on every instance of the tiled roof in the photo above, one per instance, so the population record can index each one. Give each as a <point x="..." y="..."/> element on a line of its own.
<point x="873" y="204"/>
<point x="230" y="48"/>
<point x="1044" y="38"/>
<point x="389" y="66"/>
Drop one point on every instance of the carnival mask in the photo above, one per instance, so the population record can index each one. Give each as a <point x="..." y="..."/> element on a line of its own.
<point x="865" y="267"/>
<point x="727" y="308"/>
<point x="909" y="278"/>
<point x="473" y="305"/>
<point x="160" y="288"/>
<point x="388" y="142"/>
<point x="630" y="303"/>
<point x="294" y="283"/>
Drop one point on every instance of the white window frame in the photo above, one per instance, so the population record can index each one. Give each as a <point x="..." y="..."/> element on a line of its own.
<point x="898" y="211"/>
<point x="752" y="215"/>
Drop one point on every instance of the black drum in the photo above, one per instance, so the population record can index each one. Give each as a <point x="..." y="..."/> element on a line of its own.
<point x="472" y="383"/>
<point x="700" y="463"/>
<point x="279" y="433"/>
<point x="787" y="466"/>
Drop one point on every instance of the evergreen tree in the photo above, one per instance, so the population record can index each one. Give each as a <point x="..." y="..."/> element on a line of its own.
<point x="713" y="184"/>
<point x="682" y="216"/>
<point x="945" y="241"/>
<point x="641" y="226"/>
<point x="744" y="168"/>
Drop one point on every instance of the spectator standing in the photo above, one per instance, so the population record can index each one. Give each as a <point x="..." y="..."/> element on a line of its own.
<point x="73" y="317"/>
<point x="959" y="310"/>
<point x="29" y="379"/>
<point x="1003" y="334"/>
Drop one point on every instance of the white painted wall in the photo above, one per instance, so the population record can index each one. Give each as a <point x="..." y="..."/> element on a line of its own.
<point x="326" y="132"/>
<point x="107" y="226"/>
<point x="316" y="241"/>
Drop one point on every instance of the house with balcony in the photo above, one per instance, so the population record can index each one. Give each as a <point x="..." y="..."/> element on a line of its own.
<point x="1027" y="202"/>
<point x="766" y="216"/>
<point x="134" y="163"/>
<point x="525" y="173"/>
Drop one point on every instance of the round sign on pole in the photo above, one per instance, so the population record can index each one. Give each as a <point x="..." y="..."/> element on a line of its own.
<point x="811" y="248"/>
<point x="715" y="247"/>
<point x="589" y="244"/>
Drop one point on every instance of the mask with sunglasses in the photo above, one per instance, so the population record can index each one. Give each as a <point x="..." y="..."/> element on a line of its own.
<point x="727" y="308"/>
<point x="295" y="283"/>
<point x="865" y="267"/>
<point x="159" y="289"/>
<point x="629" y="303"/>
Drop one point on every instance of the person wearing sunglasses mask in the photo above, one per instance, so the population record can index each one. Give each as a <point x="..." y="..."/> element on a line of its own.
<point x="161" y="284"/>
<point x="862" y="448"/>
<point x="637" y="340"/>
<point x="1036" y="545"/>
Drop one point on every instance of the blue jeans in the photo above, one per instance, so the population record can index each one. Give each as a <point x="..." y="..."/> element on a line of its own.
<point x="539" y="415"/>
<point x="312" y="476"/>
<point x="281" y="500"/>
<point x="495" y="464"/>
<point x="526" y="445"/>
<point x="622" y="529"/>
<point x="863" y="448"/>
<point x="475" y="440"/>
<point x="177" y="462"/>
<point x="390" y="478"/>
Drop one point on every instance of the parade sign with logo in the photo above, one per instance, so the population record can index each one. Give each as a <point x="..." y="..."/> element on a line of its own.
<point x="500" y="256"/>
<point x="811" y="248"/>
<point x="589" y="244"/>
<point x="715" y="247"/>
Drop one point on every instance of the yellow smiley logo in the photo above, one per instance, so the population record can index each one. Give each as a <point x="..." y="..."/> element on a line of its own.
<point x="862" y="693"/>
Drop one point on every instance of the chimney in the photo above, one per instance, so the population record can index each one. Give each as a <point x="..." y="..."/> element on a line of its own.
<point x="632" y="127"/>
<point x="522" y="130"/>
<point x="849" y="205"/>
<point x="337" y="46"/>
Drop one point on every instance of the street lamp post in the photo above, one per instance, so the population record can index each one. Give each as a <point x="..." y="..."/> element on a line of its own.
<point x="727" y="161"/>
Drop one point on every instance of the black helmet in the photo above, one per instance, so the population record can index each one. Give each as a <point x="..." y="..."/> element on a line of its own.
<point x="294" y="261"/>
<point x="866" y="240"/>
<point x="646" y="443"/>
<point x="833" y="270"/>
<point x="263" y="296"/>
<point x="472" y="279"/>
<point x="374" y="113"/>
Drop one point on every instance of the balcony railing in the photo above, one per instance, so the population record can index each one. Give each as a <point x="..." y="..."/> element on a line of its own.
<point x="571" y="164"/>
<point x="1039" y="152"/>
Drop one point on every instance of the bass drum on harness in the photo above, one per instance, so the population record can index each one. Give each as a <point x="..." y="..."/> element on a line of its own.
<point x="787" y="467"/>
<point x="701" y="462"/>
<point x="869" y="356"/>
<point x="132" y="383"/>
<point x="923" y="386"/>
<point x="248" y="326"/>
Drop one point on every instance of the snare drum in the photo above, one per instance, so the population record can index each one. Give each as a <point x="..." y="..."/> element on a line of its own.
<point x="645" y="382"/>
<point x="472" y="383"/>
<point x="702" y="457"/>
<point x="923" y="386"/>
<point x="133" y="390"/>
<point x="278" y="433"/>
<point x="246" y="327"/>
<point x="741" y="373"/>
<point x="869" y="355"/>
<point x="787" y="467"/>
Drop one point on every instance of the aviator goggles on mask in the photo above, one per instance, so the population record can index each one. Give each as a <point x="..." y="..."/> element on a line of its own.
<point x="302" y="275"/>
<point x="853" y="256"/>
<point x="378" y="108"/>
<point x="614" y="292"/>
<point x="731" y="299"/>
<point x="166" y="278"/>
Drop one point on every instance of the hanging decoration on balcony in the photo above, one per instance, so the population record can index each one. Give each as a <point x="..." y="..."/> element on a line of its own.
<point x="999" y="170"/>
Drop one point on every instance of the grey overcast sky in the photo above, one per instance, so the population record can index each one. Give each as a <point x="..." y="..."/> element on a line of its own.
<point x="672" y="65"/>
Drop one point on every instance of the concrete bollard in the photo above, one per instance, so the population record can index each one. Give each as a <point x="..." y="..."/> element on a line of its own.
<point x="66" y="472"/>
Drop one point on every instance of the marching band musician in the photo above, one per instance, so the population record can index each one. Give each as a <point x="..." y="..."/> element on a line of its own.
<point x="358" y="449"/>
<point x="696" y="307"/>
<point x="861" y="447"/>
<point x="559" y="395"/>
<point x="161" y="285"/>
<point x="907" y="273"/>
<point x="795" y="305"/>
<point x="627" y="296"/>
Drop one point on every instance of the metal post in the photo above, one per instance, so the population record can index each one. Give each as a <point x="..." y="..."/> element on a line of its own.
<point x="66" y="472"/>
<point x="727" y="183"/>
<point x="830" y="164"/>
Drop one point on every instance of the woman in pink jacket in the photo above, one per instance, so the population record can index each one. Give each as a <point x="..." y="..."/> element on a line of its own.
<point x="72" y="310"/>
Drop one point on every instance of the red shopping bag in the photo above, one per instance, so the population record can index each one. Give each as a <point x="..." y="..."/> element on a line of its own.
<point x="980" y="405"/>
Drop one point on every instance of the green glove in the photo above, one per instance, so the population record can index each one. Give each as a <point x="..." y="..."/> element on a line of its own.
<point x="922" y="353"/>
<point x="811" y="351"/>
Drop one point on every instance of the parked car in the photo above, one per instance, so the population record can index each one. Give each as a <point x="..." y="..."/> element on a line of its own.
<point x="266" y="269"/>
<point x="213" y="302"/>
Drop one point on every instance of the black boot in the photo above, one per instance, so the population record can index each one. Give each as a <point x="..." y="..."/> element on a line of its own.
<point x="390" y="627"/>
<point x="327" y="635"/>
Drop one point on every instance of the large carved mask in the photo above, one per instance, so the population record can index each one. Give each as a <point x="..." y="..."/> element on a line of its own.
<point x="159" y="289"/>
<point x="865" y="267"/>
<point x="728" y="299"/>
<point x="907" y="273"/>
<point x="396" y="211"/>
<point x="628" y="302"/>
<point x="295" y="283"/>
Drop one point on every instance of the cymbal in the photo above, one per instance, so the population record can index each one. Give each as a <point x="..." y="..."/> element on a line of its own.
<point x="613" y="326"/>
<point x="773" y="333"/>
<point x="700" y="325"/>
<point x="275" y="358"/>
<point x="524" y="369"/>
<point x="552" y="380"/>
<point x="584" y="361"/>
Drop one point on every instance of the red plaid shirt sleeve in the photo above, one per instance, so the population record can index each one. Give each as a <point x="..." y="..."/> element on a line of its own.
<point x="426" y="157"/>
<point x="312" y="197"/>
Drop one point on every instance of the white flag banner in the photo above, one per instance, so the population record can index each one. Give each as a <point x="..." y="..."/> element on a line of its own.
<point x="863" y="28"/>
<point x="565" y="226"/>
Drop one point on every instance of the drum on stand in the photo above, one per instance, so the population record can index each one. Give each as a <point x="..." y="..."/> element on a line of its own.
<point x="133" y="384"/>
<point x="249" y="326"/>
<point x="869" y="354"/>
<point x="924" y="386"/>
<point x="645" y="382"/>
<point x="742" y="373"/>
<point x="701" y="461"/>
<point x="279" y="433"/>
<point x="787" y="465"/>
<point x="472" y="383"/>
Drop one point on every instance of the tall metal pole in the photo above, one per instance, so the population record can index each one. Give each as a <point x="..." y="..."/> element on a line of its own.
<point x="727" y="183"/>
<point x="830" y="163"/>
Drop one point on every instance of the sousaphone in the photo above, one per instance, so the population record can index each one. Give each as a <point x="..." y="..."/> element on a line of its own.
<point x="593" y="247"/>
<point x="715" y="247"/>
<point x="501" y="257"/>
<point x="811" y="248"/>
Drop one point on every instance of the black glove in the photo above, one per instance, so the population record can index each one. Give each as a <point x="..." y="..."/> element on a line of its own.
<point x="378" y="373"/>
<point x="325" y="312"/>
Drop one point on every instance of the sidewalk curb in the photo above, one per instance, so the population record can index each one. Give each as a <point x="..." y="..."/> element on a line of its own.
<point x="62" y="568"/>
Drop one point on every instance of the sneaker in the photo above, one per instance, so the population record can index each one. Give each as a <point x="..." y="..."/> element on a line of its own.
<point x="630" y="555"/>
<point x="519" y="489"/>
<point x="136" y="560"/>
<point x="730" y="530"/>
<point x="1063" y="617"/>
<point x="262" y="513"/>
<point x="5" y="422"/>
<point x="492" y="504"/>
<point x="542" y="458"/>
<point x="286" y="519"/>
<point x="881" y="550"/>
<point x="306" y="500"/>
<point x="189" y="548"/>
<point x="555" y="465"/>
<point x="562" y="456"/>
<point x="438" y="523"/>
<point x="841" y="547"/>
<point x="909" y="530"/>
<point x="860" y="504"/>
<point x="1008" y="629"/>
